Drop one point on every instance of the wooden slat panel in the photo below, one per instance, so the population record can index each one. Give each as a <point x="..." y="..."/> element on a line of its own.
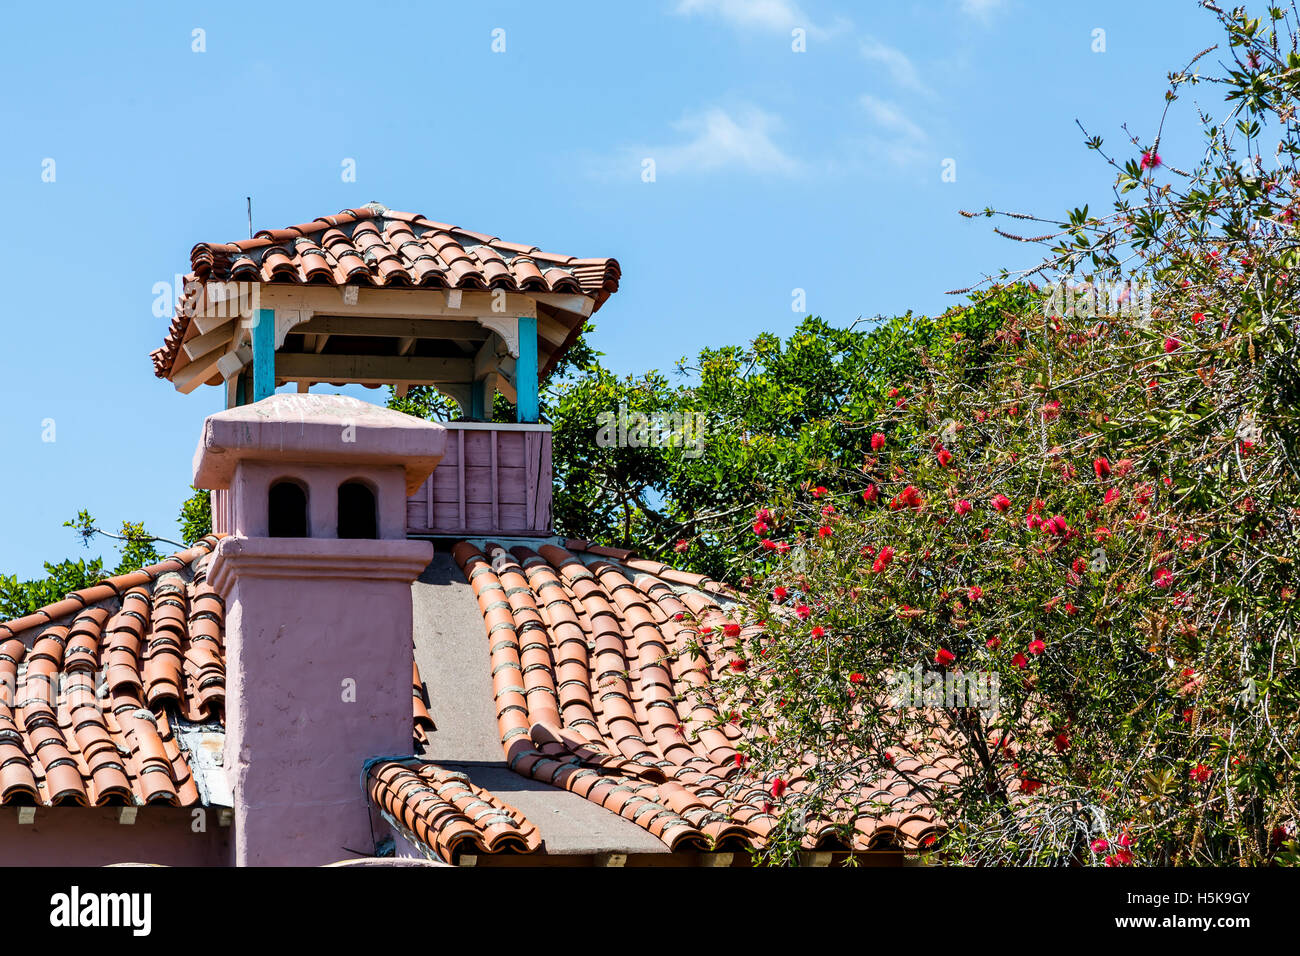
<point x="460" y="469"/>
<point x="512" y="450"/>
<point x="474" y="491"/>
<point x="542" y="518"/>
<point x="495" y="482"/>
<point x="512" y="486"/>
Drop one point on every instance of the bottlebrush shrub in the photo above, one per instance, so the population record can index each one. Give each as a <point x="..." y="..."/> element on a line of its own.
<point x="1139" y="615"/>
<point x="1127" y="563"/>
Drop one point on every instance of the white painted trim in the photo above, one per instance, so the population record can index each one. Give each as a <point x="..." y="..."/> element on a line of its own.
<point x="498" y="426"/>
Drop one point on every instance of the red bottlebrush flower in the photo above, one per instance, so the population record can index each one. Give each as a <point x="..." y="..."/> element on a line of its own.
<point x="682" y="546"/>
<point x="1020" y="660"/>
<point x="824" y="531"/>
<point x="1070" y="609"/>
<point x="877" y="441"/>
<point x="1078" y="566"/>
<point x="731" y="630"/>
<point x="1112" y="494"/>
<point x="1150" y="160"/>
<point x="803" y="611"/>
<point x="1033" y="522"/>
<point x="1037" y="647"/>
<point x="762" y="514"/>
<point x="1171" y="344"/>
<point x="929" y="840"/>
<point x="760" y="527"/>
<point x="1101" y="534"/>
<point x="882" y="559"/>
<point x="1102" y="467"/>
<point x="1099" y="845"/>
<point x="1051" y="411"/>
<point x="1123" y="466"/>
<point x="782" y="547"/>
<point x="974" y="593"/>
<point x="1163" y="578"/>
<point x="856" y="678"/>
<point x="1013" y="411"/>
<point x="739" y="759"/>
<point x="768" y="544"/>
<point x="871" y="493"/>
<point x="893" y="393"/>
<point x="1200" y="773"/>
<point x="993" y="643"/>
<point x="828" y="510"/>
<point x="1188" y="715"/>
<point x="1061" y="742"/>
<point x="1001" y="502"/>
<point x="1028" y="786"/>
<point x="1057" y="526"/>
<point x="780" y="593"/>
<point x="944" y="456"/>
<point x="818" y="632"/>
<point x="819" y="492"/>
<point x="1124" y="840"/>
<point x="1198" y="318"/>
<point x="778" y="788"/>
<point x="962" y="507"/>
<point x="943" y="657"/>
<point x="739" y="666"/>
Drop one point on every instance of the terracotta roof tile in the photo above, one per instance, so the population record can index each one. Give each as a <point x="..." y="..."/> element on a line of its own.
<point x="89" y="687"/>
<point x="444" y="811"/>
<point x="381" y="247"/>
<point x="593" y="695"/>
<point x="85" y="704"/>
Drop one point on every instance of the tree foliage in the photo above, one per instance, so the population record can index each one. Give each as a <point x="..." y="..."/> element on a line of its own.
<point x="1101" y="514"/>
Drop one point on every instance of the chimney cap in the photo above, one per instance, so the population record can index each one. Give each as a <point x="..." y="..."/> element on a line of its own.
<point x="319" y="429"/>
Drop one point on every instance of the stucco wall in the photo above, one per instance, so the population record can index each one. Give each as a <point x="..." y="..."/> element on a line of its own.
<point x="92" y="836"/>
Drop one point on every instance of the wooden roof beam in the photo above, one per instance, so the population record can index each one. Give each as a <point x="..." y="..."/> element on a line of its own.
<point x="372" y="369"/>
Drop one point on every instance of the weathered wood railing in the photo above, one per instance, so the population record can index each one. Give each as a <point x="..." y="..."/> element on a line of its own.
<point x="493" y="479"/>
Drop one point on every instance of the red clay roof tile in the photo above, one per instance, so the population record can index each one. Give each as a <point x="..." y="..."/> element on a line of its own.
<point x="62" y="741"/>
<point x="377" y="246"/>
<point x="444" y="811"/>
<point x="595" y="695"/>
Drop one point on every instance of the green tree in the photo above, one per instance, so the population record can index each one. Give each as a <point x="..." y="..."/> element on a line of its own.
<point x="1101" y="514"/>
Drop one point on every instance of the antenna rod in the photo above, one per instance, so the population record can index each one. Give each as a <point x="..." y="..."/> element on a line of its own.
<point x="250" y="216"/>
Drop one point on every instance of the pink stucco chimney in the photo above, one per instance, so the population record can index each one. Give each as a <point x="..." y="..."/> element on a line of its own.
<point x="316" y="575"/>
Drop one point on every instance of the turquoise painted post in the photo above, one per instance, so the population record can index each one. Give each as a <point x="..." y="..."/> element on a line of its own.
<point x="526" y="405"/>
<point x="264" y="355"/>
<point x="477" y="392"/>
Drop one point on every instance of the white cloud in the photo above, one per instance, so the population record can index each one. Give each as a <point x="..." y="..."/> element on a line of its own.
<point x="900" y="68"/>
<point x="889" y="117"/>
<point x="772" y="15"/>
<point x="980" y="9"/>
<point x="716" y="140"/>
<point x="897" y="138"/>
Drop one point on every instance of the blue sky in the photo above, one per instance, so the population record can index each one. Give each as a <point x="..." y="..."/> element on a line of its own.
<point x="775" y="170"/>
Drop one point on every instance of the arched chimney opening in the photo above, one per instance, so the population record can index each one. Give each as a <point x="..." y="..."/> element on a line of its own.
<point x="286" y="507"/>
<point x="358" y="511"/>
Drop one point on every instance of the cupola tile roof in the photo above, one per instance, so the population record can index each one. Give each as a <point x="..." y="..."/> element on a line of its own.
<point x="376" y="247"/>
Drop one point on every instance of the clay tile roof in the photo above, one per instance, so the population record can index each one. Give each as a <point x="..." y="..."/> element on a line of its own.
<point x="593" y="697"/>
<point x="445" y="812"/>
<point x="376" y="246"/>
<point x="94" y="687"/>
<point x="90" y="688"/>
